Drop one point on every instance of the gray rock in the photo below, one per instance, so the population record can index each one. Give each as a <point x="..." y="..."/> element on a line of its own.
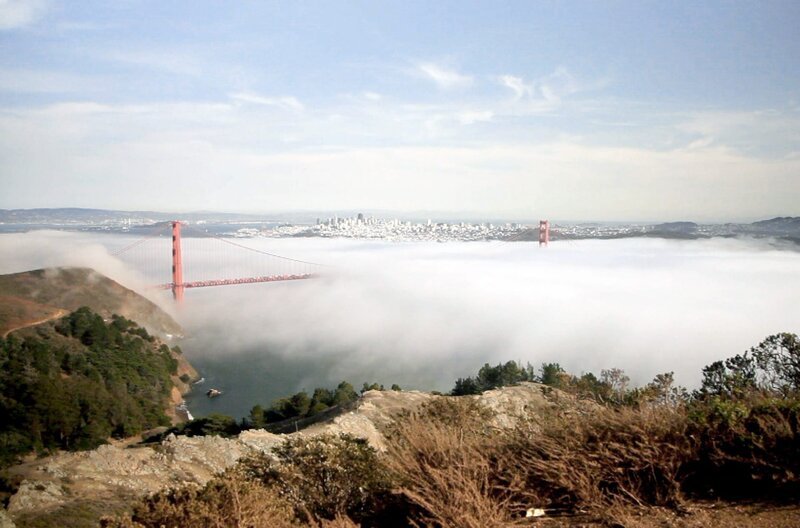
<point x="36" y="496"/>
<point x="5" y="521"/>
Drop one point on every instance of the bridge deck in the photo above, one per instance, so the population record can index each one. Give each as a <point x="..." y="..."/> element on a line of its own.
<point x="243" y="280"/>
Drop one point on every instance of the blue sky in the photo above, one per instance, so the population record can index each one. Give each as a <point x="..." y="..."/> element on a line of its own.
<point x="573" y="110"/>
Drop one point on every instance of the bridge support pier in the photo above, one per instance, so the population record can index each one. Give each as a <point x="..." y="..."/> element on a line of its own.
<point x="177" y="263"/>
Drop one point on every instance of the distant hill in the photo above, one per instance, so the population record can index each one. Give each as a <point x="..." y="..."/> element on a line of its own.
<point x="40" y="294"/>
<point x="683" y="227"/>
<point x="75" y="216"/>
<point x="782" y="225"/>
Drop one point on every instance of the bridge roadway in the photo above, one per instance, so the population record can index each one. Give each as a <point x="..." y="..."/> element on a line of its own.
<point x="243" y="280"/>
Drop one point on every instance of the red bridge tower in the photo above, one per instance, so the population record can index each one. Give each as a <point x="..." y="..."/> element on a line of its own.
<point x="177" y="263"/>
<point x="544" y="232"/>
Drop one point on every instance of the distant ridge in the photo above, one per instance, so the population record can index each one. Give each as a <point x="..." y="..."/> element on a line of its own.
<point x="66" y="216"/>
<point x="788" y="225"/>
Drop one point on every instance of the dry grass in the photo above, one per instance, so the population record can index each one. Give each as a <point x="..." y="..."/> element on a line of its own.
<point x="596" y="461"/>
<point x="339" y="521"/>
<point x="462" y="474"/>
<point x="442" y="459"/>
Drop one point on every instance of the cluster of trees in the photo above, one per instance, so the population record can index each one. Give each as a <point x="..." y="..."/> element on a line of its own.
<point x="74" y="384"/>
<point x="770" y="369"/>
<point x="378" y="387"/>
<point x="488" y="378"/>
<point x="301" y="405"/>
<point x="610" y="387"/>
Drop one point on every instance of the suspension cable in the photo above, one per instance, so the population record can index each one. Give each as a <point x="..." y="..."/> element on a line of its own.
<point x="160" y="229"/>
<point x="236" y="244"/>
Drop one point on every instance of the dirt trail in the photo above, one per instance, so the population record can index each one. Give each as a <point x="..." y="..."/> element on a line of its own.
<point x="59" y="313"/>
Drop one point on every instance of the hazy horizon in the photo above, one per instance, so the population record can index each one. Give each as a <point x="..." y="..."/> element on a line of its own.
<point x="311" y="214"/>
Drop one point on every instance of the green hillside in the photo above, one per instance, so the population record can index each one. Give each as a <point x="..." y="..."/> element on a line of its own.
<point x="73" y="383"/>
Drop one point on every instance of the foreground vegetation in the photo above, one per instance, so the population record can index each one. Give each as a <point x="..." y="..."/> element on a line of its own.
<point x="600" y="462"/>
<point x="75" y="383"/>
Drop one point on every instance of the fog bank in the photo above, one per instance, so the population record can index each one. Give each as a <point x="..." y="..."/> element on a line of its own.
<point x="433" y="312"/>
<point x="423" y="314"/>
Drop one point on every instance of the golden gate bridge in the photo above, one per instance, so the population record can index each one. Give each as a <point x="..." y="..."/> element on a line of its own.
<point x="268" y="267"/>
<point x="262" y="267"/>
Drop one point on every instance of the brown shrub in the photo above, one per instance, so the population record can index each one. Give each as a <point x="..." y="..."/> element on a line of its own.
<point x="230" y="501"/>
<point x="462" y="473"/>
<point x="444" y="466"/>
<point x="594" y="461"/>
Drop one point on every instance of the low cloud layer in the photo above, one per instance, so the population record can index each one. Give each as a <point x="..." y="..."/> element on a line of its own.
<point x="424" y="314"/>
<point x="431" y="313"/>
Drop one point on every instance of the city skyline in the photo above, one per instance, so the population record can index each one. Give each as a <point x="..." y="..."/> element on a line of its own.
<point x="626" y="111"/>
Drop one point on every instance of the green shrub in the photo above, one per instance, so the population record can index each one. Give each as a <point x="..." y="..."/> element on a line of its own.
<point x="326" y="475"/>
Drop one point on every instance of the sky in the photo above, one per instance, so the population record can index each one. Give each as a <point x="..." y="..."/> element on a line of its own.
<point x="637" y="110"/>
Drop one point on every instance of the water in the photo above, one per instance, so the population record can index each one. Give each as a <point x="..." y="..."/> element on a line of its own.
<point x="423" y="314"/>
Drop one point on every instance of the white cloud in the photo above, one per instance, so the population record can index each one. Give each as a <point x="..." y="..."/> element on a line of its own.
<point x="444" y="78"/>
<point x="389" y="155"/>
<point x="558" y="84"/>
<point x="551" y="88"/>
<point x="20" y="13"/>
<point x="517" y="84"/>
<point x="474" y="116"/>
<point x="773" y="132"/>
<point x="701" y="143"/>
<point x="112" y="155"/>
<point x="287" y="102"/>
<point x="416" y="316"/>
<point x="372" y="96"/>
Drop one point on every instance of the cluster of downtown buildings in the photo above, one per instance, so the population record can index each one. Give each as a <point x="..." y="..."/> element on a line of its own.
<point x="364" y="227"/>
<point x="396" y="230"/>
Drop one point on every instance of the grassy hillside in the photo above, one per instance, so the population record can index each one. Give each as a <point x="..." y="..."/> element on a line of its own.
<point x="18" y="313"/>
<point x="32" y="295"/>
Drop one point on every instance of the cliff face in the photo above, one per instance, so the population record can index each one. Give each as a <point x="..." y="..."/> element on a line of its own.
<point x="114" y="475"/>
